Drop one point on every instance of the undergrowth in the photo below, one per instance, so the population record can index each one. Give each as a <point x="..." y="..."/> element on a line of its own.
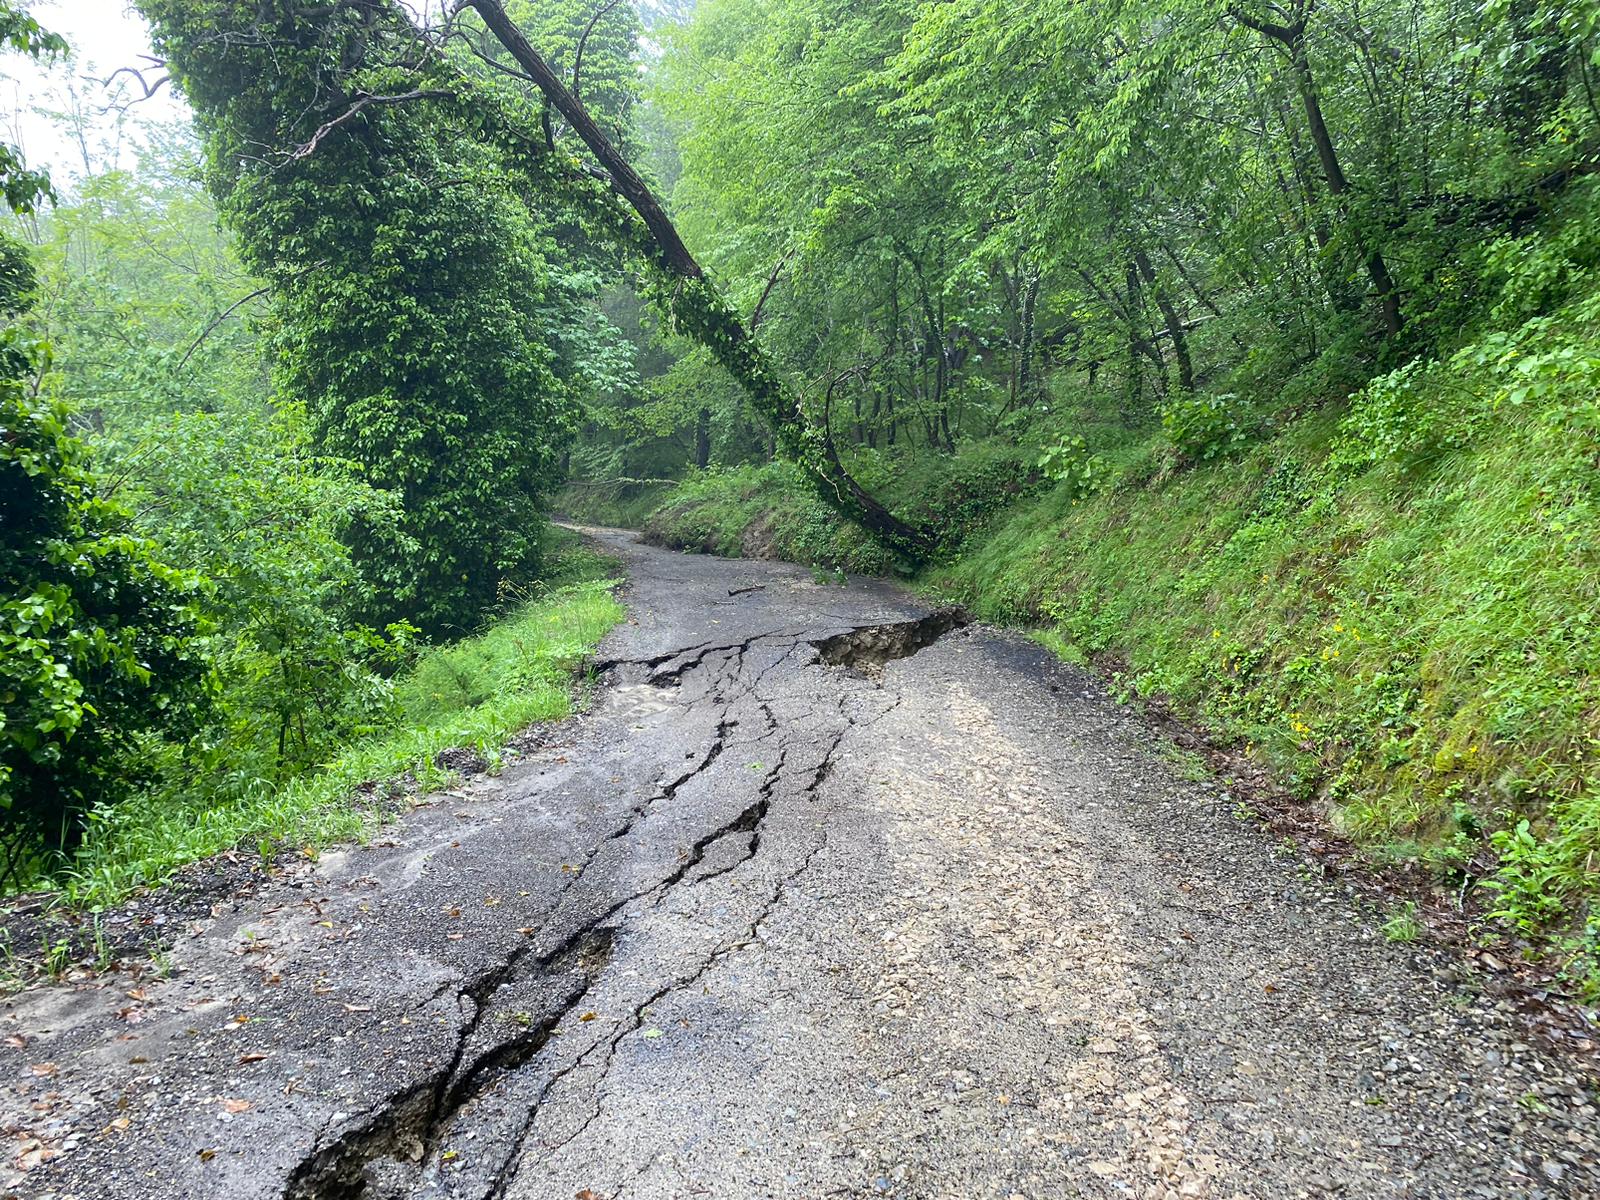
<point x="762" y="512"/>
<point x="618" y="503"/>
<point x="475" y="693"/>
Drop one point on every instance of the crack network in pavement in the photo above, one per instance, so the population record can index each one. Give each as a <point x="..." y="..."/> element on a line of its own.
<point x="394" y="1149"/>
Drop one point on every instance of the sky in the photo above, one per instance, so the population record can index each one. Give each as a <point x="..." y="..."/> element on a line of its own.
<point x="105" y="35"/>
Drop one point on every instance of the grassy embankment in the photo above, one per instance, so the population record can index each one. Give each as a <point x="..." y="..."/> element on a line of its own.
<point x="619" y="503"/>
<point x="475" y="693"/>
<point x="1392" y="600"/>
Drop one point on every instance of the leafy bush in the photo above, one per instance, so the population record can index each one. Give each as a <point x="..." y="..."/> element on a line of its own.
<point x="1069" y="463"/>
<point x="97" y="635"/>
<point x="1539" y="270"/>
<point x="957" y="493"/>
<point x="238" y="497"/>
<point x="1205" y="425"/>
<point x="473" y="694"/>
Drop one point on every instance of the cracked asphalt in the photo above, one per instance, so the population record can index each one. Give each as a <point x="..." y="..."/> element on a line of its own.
<point x="828" y="896"/>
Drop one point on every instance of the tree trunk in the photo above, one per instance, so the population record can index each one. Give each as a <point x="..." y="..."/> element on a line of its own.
<point x="1132" y="389"/>
<point x="702" y="439"/>
<point x="1025" y="375"/>
<point x="705" y="315"/>
<point x="1293" y="38"/>
<point x="1169" y="314"/>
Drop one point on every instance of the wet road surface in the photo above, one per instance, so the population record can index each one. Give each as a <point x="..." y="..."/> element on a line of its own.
<point x="829" y="895"/>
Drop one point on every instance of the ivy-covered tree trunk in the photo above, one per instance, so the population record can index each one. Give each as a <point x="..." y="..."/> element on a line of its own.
<point x="410" y="284"/>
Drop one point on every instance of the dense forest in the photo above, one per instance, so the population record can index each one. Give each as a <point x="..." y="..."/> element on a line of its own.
<point x="1250" y="351"/>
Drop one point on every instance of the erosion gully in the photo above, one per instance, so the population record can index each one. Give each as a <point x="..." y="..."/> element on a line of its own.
<point x="828" y="895"/>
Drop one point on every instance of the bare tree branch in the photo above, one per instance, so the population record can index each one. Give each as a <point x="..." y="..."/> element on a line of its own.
<point x="219" y="319"/>
<point x="150" y="89"/>
<point x="772" y="282"/>
<point x="361" y="104"/>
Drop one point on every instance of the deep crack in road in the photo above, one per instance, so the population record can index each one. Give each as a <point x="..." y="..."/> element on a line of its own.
<point x="830" y="895"/>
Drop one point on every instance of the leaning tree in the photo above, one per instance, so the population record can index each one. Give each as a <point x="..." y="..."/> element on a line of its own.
<point x="282" y="84"/>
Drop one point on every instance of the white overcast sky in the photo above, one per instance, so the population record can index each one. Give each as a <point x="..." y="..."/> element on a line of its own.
<point x="105" y="35"/>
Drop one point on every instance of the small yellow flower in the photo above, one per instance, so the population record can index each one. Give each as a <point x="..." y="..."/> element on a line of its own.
<point x="1216" y="633"/>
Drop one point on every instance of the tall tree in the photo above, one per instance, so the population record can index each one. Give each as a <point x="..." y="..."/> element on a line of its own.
<point x="409" y="284"/>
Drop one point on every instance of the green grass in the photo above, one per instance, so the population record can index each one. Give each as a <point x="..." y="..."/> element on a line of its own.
<point x="762" y="512"/>
<point x="620" y="504"/>
<point x="770" y="511"/>
<point x="1402" y="924"/>
<point x="474" y="693"/>
<point x="1052" y="641"/>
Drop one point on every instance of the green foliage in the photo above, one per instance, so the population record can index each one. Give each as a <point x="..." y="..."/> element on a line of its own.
<point x="97" y="635"/>
<point x="133" y="277"/>
<point x="96" y="632"/>
<point x="1070" y="464"/>
<point x="962" y="491"/>
<point x="22" y="188"/>
<point x="1205" y="426"/>
<point x="1402" y="924"/>
<point x="410" y="282"/>
<point x="474" y="694"/>
<point x="263" y="518"/>
<point x="761" y="512"/>
<point x="423" y="360"/>
<point x="17" y="277"/>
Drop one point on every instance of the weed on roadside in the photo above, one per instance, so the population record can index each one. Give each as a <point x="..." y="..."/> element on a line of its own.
<point x="1402" y="924"/>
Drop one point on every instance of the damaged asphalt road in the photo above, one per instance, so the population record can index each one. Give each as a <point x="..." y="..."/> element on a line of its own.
<point x="828" y="896"/>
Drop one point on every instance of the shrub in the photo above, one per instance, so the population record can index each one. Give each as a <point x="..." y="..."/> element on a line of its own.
<point x="1205" y="426"/>
<point x="96" y="634"/>
<point x="1069" y="462"/>
<point x="959" y="492"/>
